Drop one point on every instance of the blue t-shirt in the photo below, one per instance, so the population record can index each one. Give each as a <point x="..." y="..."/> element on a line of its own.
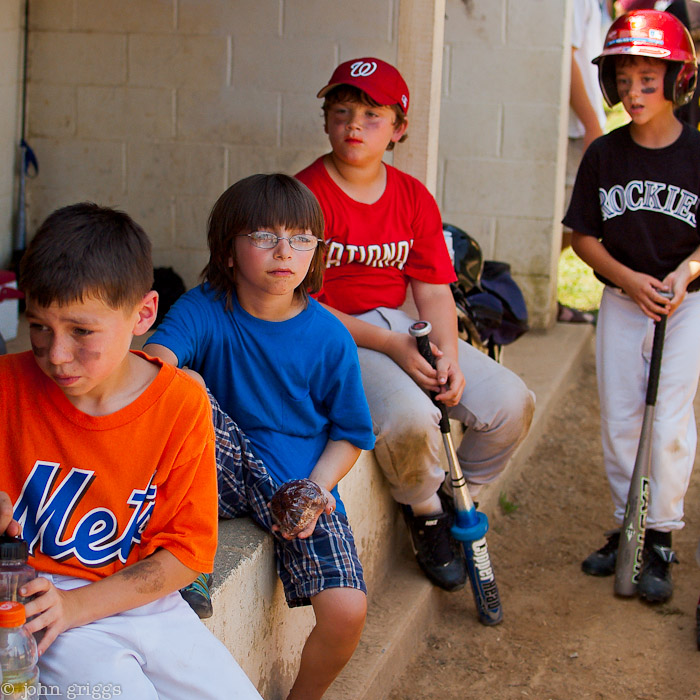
<point x="289" y="385"/>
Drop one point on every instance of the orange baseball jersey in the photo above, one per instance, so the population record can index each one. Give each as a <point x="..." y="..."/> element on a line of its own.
<point x="95" y="493"/>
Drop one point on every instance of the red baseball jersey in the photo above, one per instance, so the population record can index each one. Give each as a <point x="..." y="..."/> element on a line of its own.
<point x="373" y="249"/>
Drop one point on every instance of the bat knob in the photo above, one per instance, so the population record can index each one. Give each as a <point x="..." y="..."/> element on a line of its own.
<point x="420" y="329"/>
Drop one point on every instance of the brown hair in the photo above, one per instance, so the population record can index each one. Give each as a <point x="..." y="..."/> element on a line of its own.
<point x="85" y="250"/>
<point x="350" y="93"/>
<point x="260" y="202"/>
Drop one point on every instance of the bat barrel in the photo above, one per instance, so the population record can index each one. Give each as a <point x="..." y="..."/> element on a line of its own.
<point x="630" y="552"/>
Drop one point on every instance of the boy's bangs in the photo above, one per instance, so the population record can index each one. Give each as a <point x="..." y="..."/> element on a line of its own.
<point x="86" y="251"/>
<point x="281" y="204"/>
<point x="349" y="93"/>
<point x="632" y="58"/>
<point x="64" y="291"/>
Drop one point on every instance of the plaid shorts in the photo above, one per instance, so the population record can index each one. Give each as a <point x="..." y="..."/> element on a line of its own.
<point x="326" y="559"/>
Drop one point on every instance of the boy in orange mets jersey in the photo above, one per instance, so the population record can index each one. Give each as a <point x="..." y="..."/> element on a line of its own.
<point x="108" y="464"/>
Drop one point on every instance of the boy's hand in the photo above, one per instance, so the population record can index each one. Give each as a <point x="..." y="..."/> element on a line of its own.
<point x="446" y="382"/>
<point x="8" y="525"/>
<point x="643" y="290"/>
<point x="52" y="609"/>
<point x="309" y="529"/>
<point x="451" y="382"/>
<point x="296" y="507"/>
<point x="678" y="281"/>
<point x="402" y="349"/>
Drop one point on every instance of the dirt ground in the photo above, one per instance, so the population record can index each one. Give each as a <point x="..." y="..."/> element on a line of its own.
<point x="564" y="636"/>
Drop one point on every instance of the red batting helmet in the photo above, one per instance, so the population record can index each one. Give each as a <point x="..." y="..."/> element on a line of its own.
<point x="653" y="34"/>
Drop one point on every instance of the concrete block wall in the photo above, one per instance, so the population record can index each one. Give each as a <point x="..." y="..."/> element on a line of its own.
<point x="11" y="37"/>
<point x="503" y="134"/>
<point x="156" y="106"/>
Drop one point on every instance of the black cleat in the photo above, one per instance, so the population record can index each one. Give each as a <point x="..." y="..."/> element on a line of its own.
<point x="655" y="584"/>
<point x="439" y="556"/>
<point x="602" y="561"/>
<point x="198" y="596"/>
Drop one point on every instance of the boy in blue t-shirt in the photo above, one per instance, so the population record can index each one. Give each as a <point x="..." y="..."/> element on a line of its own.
<point x="287" y="371"/>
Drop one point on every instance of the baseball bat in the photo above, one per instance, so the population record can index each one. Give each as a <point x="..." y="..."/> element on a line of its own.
<point x="470" y="525"/>
<point x="631" y="547"/>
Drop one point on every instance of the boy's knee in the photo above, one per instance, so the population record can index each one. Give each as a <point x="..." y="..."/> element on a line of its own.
<point x="341" y="610"/>
<point x="412" y="424"/>
<point x="516" y="407"/>
<point x="522" y="406"/>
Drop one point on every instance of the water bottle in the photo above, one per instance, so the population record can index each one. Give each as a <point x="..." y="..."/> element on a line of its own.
<point x="18" y="654"/>
<point x="14" y="570"/>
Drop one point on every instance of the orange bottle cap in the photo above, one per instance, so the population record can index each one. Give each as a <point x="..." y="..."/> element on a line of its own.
<point x="12" y="614"/>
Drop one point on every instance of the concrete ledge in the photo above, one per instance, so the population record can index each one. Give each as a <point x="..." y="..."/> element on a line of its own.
<point x="266" y="637"/>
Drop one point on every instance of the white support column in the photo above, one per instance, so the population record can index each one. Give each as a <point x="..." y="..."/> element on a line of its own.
<point x="421" y="35"/>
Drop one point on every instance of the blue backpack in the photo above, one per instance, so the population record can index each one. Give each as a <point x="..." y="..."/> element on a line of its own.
<point x="491" y="308"/>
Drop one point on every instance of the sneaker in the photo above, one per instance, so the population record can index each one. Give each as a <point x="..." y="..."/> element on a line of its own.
<point x="439" y="556"/>
<point x="655" y="584"/>
<point x="198" y="596"/>
<point x="602" y="561"/>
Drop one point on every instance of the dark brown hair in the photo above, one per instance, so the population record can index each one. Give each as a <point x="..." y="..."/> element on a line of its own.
<point x="350" y="93"/>
<point x="260" y="202"/>
<point x="85" y="250"/>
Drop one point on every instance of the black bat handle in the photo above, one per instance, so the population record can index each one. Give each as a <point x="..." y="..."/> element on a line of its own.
<point x="656" y="353"/>
<point x="420" y="331"/>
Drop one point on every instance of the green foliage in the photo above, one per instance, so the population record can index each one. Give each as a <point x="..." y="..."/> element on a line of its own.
<point x="507" y="507"/>
<point x="615" y="117"/>
<point x="577" y="287"/>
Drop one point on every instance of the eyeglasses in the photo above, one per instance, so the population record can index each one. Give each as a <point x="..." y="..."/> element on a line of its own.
<point x="269" y="240"/>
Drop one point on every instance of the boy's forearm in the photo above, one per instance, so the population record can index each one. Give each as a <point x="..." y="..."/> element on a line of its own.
<point x="336" y="460"/>
<point x="435" y="303"/>
<point x="693" y="265"/>
<point x="365" y="335"/>
<point x="594" y="254"/>
<point x="135" y="585"/>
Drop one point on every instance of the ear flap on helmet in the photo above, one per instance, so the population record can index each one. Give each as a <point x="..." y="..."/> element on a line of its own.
<point x="672" y="71"/>
<point x="607" y="80"/>
<point x="684" y="84"/>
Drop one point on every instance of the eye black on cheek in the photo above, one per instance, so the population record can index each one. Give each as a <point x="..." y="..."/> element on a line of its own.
<point x="39" y="351"/>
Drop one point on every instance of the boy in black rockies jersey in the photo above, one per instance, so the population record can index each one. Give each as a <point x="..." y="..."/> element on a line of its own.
<point x="633" y="213"/>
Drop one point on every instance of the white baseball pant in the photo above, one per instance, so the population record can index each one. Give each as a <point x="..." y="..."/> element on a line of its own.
<point x="159" y="651"/>
<point x="623" y="348"/>
<point x="496" y="407"/>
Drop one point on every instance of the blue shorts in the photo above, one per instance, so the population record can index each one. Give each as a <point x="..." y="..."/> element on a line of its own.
<point x="326" y="559"/>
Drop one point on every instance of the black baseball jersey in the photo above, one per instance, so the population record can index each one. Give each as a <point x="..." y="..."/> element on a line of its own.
<point x="640" y="202"/>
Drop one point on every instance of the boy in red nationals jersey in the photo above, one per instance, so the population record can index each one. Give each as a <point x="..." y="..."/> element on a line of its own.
<point x="384" y="233"/>
<point x="109" y="473"/>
